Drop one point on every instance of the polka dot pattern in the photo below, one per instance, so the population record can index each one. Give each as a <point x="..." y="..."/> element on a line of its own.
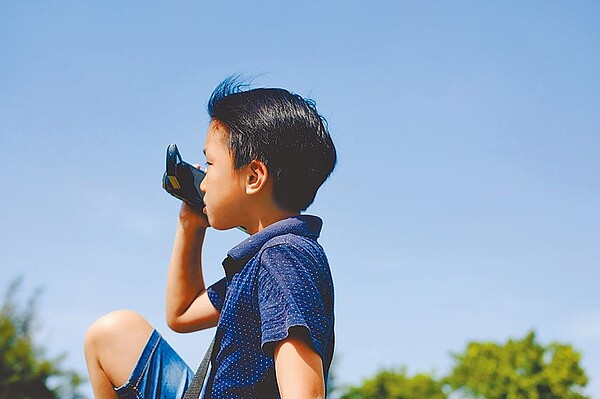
<point x="278" y="282"/>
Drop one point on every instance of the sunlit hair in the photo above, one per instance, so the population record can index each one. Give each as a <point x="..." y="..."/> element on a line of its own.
<point x="281" y="129"/>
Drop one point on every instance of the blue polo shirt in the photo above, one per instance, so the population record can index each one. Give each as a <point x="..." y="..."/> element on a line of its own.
<point x="277" y="283"/>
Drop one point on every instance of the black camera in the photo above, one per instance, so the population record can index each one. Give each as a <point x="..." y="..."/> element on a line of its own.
<point x="182" y="180"/>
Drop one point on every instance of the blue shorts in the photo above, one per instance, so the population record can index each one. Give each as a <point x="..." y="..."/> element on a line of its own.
<point x="159" y="373"/>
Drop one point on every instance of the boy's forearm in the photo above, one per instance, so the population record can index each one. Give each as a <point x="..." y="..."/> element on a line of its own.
<point x="184" y="279"/>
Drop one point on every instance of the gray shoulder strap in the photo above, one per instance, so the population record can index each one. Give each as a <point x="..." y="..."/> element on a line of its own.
<point x="193" y="391"/>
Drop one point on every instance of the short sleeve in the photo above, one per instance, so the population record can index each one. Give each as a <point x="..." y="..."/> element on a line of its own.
<point x="216" y="293"/>
<point x="290" y="295"/>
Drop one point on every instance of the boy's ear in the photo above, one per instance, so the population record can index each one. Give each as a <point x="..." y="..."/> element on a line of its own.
<point x="256" y="177"/>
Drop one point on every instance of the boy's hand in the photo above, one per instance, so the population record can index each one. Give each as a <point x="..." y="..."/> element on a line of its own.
<point x="188" y="306"/>
<point x="193" y="218"/>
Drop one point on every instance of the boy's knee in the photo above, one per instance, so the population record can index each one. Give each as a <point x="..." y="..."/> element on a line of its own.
<point x="112" y="325"/>
<point x="114" y="342"/>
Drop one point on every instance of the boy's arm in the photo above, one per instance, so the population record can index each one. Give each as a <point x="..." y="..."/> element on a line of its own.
<point x="188" y="306"/>
<point x="299" y="369"/>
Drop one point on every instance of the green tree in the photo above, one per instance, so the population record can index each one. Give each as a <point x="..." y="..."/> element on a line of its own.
<point x="392" y="384"/>
<point x="25" y="373"/>
<point x="518" y="369"/>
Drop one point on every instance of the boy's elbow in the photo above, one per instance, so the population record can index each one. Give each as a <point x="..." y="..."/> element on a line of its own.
<point x="180" y="327"/>
<point x="174" y="322"/>
<point x="187" y="324"/>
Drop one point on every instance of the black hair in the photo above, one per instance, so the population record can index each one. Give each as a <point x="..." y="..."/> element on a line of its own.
<point x="281" y="129"/>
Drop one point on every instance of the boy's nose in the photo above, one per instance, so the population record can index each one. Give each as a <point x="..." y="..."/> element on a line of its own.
<point x="203" y="185"/>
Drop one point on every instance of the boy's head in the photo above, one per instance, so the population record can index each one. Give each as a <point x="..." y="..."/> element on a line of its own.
<point x="282" y="130"/>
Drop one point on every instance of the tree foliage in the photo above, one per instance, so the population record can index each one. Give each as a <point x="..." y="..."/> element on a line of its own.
<point x="517" y="369"/>
<point x="25" y="373"/>
<point x="521" y="369"/>
<point x="397" y="385"/>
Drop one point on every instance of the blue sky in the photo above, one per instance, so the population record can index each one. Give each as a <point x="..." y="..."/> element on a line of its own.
<point x="465" y="205"/>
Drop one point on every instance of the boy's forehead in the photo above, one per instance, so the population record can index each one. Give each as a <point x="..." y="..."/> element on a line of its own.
<point x="216" y="135"/>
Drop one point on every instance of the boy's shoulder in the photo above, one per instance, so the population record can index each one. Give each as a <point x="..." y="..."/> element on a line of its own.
<point x="295" y="263"/>
<point x="293" y="244"/>
<point x="294" y="252"/>
<point x="296" y="234"/>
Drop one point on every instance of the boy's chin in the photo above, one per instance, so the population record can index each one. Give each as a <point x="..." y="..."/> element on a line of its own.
<point x="221" y="226"/>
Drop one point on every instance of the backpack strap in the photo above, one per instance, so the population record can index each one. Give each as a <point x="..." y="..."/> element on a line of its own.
<point x="195" y="388"/>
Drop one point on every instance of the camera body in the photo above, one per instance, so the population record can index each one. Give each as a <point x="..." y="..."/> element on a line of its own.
<point x="182" y="180"/>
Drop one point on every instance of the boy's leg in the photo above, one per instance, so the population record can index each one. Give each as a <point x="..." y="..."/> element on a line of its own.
<point x="113" y="345"/>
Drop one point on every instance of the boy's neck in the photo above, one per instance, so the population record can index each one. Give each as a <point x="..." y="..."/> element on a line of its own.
<point x="267" y="218"/>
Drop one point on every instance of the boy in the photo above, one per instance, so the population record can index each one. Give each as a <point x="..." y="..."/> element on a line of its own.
<point x="267" y="153"/>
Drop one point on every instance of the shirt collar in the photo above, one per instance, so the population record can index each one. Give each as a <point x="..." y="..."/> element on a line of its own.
<point x="302" y="225"/>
